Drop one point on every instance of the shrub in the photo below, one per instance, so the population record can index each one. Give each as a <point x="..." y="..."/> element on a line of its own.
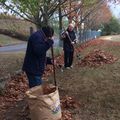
<point x="113" y="27"/>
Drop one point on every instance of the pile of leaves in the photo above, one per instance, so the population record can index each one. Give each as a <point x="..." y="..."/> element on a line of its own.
<point x="14" y="90"/>
<point x="97" y="58"/>
<point x="47" y="72"/>
<point x="59" y="61"/>
<point x="68" y="103"/>
<point x="89" y="43"/>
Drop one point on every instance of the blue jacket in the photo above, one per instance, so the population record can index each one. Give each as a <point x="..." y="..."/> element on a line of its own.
<point x="35" y="58"/>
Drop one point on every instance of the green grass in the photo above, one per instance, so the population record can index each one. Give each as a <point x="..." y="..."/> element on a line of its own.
<point x="10" y="62"/>
<point x="6" y="40"/>
<point x="96" y="89"/>
<point x="19" y="26"/>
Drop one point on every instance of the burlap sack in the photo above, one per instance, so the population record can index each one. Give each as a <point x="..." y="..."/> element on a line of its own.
<point x="43" y="107"/>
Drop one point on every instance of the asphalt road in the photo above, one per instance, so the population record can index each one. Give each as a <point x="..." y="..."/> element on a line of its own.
<point x="20" y="47"/>
<point x="14" y="48"/>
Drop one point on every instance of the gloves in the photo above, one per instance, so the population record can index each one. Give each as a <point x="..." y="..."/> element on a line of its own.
<point x="76" y="41"/>
<point x="73" y="43"/>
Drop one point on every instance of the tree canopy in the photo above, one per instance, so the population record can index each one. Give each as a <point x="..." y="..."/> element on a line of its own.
<point x="112" y="27"/>
<point x="40" y="12"/>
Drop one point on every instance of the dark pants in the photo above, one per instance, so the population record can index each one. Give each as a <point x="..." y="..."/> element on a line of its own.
<point x="34" y="80"/>
<point x="68" y="58"/>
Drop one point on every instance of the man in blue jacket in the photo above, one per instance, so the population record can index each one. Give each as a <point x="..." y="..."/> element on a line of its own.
<point x="35" y="58"/>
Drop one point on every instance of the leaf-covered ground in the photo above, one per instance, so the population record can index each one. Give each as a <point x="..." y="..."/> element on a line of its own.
<point x="96" y="89"/>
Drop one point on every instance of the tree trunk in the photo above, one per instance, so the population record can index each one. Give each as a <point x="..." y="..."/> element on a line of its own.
<point x="42" y="23"/>
<point x="60" y="24"/>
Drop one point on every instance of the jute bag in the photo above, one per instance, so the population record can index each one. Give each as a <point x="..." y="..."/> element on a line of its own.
<point x="44" y="106"/>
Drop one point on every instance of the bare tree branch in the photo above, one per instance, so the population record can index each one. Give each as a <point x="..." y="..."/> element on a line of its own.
<point x="16" y="12"/>
<point x="93" y="9"/>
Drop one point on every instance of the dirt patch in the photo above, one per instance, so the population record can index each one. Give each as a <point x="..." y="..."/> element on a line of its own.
<point x="115" y="38"/>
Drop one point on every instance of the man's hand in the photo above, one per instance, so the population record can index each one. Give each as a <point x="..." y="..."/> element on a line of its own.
<point x="72" y="43"/>
<point x="76" y="41"/>
<point x="63" y="35"/>
<point x="52" y="38"/>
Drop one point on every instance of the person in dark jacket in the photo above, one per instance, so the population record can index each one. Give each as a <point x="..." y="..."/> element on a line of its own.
<point x="35" y="58"/>
<point x="69" y="38"/>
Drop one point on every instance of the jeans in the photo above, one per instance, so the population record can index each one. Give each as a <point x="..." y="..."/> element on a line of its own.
<point x="34" y="80"/>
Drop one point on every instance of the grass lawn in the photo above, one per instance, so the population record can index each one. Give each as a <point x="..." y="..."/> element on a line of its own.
<point x="17" y="25"/>
<point x="6" y="40"/>
<point x="96" y="89"/>
<point x="10" y="62"/>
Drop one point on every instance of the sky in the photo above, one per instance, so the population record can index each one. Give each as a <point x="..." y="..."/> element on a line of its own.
<point x="115" y="9"/>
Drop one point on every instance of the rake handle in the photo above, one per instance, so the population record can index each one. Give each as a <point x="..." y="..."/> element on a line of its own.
<point x="54" y="72"/>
